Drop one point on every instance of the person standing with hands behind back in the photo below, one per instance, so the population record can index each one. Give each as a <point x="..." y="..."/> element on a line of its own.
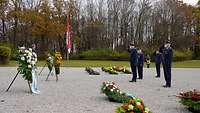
<point x="133" y="61"/>
<point x="140" y="63"/>
<point x="158" y="60"/>
<point x="167" y="62"/>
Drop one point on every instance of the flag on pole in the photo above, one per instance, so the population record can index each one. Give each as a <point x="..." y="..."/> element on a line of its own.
<point x="68" y="41"/>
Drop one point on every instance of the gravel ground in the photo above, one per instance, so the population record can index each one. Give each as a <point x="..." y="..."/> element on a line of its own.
<point x="77" y="92"/>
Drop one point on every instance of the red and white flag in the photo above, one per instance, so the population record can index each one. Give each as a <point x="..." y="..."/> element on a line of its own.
<point x="68" y="40"/>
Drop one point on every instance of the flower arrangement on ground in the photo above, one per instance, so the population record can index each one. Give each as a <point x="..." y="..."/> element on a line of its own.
<point x="114" y="93"/>
<point x="27" y="66"/>
<point x="109" y="70"/>
<point x="191" y="99"/>
<point x="91" y="71"/>
<point x="121" y="69"/>
<point x="132" y="104"/>
<point x="115" y="69"/>
<point x="135" y="105"/>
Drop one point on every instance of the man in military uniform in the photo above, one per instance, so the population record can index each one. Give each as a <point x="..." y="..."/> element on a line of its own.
<point x="133" y="61"/>
<point x="158" y="60"/>
<point x="167" y="62"/>
<point x="140" y="64"/>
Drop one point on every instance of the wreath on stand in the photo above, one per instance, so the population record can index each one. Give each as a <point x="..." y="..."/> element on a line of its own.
<point x="57" y="62"/>
<point x="54" y="62"/>
<point x="27" y="67"/>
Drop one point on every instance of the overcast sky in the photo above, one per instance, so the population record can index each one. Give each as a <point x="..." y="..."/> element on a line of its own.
<point x="192" y="2"/>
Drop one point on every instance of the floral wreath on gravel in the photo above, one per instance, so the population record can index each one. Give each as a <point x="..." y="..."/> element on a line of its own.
<point x="191" y="99"/>
<point x="91" y="71"/>
<point x="114" y="93"/>
<point x="109" y="70"/>
<point x="135" y="105"/>
<point x="132" y="104"/>
<point x="27" y="67"/>
<point x="121" y="69"/>
<point x="115" y="69"/>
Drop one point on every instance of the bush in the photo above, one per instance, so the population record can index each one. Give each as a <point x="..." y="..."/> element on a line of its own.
<point x="42" y="57"/>
<point x="182" y="55"/>
<point x="196" y="54"/>
<point x="104" y="54"/>
<point x="177" y="55"/>
<point x="14" y="54"/>
<point x="5" y="53"/>
<point x="108" y="54"/>
<point x="150" y="52"/>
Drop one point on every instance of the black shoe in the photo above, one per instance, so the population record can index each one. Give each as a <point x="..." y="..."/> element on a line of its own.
<point x="166" y="86"/>
<point x="132" y="81"/>
<point x="157" y="76"/>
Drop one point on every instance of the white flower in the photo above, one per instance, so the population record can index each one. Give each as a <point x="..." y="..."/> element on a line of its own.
<point x="34" y="54"/>
<point x="29" y="66"/>
<point x="22" y="58"/>
<point x="29" y="61"/>
<point x="147" y="109"/>
<point x="29" y="54"/>
<point x="106" y="85"/>
<point x="115" y="86"/>
<point x="26" y="51"/>
<point x="22" y="47"/>
<point x="111" y="90"/>
<point x="138" y="103"/>
<point x="120" y="92"/>
<point x="30" y="49"/>
<point x="130" y="107"/>
<point x="33" y="62"/>
<point x="35" y="59"/>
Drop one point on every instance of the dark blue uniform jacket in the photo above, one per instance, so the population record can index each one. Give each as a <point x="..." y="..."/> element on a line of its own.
<point x="158" y="58"/>
<point x="134" y="56"/>
<point x="168" y="56"/>
<point x="141" y="59"/>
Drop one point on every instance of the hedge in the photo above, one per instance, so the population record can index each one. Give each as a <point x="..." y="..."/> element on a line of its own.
<point x="104" y="54"/>
<point x="5" y="53"/>
<point x="107" y="54"/>
<point x="182" y="55"/>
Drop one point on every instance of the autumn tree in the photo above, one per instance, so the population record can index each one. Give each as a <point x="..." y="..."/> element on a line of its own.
<point x="196" y="28"/>
<point x="3" y="8"/>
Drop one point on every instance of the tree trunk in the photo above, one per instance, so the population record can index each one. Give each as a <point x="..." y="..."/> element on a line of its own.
<point x="15" y="32"/>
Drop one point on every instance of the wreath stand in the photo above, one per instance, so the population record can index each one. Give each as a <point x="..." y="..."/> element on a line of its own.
<point x="14" y="80"/>
<point x="42" y="68"/>
<point x="50" y="73"/>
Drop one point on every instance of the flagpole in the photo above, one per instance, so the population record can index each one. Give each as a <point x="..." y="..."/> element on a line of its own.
<point x="68" y="41"/>
<point x="67" y="55"/>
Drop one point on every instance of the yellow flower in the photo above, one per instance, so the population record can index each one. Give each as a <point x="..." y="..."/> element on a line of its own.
<point x="58" y="58"/>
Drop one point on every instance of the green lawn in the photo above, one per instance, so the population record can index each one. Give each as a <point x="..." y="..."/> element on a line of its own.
<point x="95" y="63"/>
